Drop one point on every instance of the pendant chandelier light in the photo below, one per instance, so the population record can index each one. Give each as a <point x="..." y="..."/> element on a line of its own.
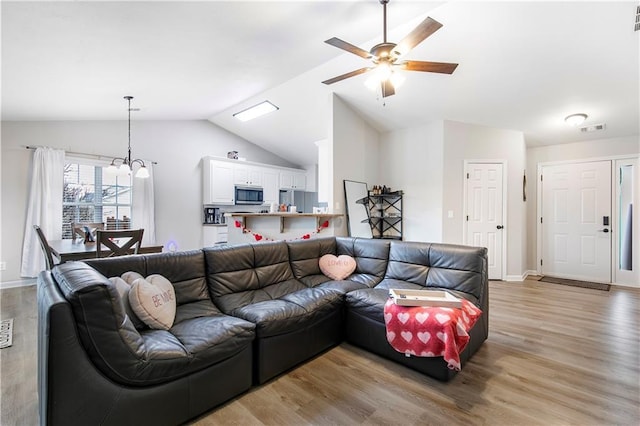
<point x="126" y="165"/>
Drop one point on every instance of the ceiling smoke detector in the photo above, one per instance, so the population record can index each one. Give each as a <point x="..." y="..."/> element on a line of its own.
<point x="593" y="128"/>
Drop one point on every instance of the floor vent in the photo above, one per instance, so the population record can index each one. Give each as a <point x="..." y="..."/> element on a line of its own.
<point x="6" y="333"/>
<point x="593" y="128"/>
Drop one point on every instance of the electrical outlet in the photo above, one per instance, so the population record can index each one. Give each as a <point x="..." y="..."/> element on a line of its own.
<point x="3" y="266"/>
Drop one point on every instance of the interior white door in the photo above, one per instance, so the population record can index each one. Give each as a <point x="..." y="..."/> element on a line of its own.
<point x="576" y="221"/>
<point x="484" y="212"/>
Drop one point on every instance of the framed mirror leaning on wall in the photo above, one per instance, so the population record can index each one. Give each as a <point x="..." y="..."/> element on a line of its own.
<point x="357" y="214"/>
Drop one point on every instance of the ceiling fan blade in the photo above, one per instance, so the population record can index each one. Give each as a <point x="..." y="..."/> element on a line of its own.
<point x="387" y="89"/>
<point x="341" y="44"/>
<point x="419" y="33"/>
<point x="441" y="67"/>
<point x="347" y="75"/>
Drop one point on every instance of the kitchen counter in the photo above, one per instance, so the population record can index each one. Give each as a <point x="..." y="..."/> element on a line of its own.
<point x="251" y="227"/>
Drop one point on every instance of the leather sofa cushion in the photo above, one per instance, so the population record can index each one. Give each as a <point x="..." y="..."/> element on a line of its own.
<point x="456" y="267"/>
<point x="185" y="270"/>
<point x="248" y="274"/>
<point x="449" y="266"/>
<point x="304" y="256"/>
<point x="200" y="336"/>
<point x="371" y="258"/>
<point x="291" y="312"/>
<point x="342" y="287"/>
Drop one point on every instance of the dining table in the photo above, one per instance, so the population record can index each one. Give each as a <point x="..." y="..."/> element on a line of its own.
<point x="70" y="249"/>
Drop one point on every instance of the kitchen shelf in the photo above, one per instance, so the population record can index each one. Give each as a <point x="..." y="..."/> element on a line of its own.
<point x="284" y="215"/>
<point x="384" y="213"/>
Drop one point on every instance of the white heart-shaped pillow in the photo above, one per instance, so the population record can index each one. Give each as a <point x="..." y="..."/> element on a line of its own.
<point x="153" y="300"/>
<point x="337" y="268"/>
<point x="130" y="277"/>
<point x="123" y="289"/>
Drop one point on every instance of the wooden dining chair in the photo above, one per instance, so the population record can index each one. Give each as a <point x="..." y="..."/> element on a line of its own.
<point x="118" y="243"/>
<point x="46" y="249"/>
<point x="78" y="229"/>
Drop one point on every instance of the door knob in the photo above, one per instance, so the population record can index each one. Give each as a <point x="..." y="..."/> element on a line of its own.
<point x="499" y="227"/>
<point x="605" y="230"/>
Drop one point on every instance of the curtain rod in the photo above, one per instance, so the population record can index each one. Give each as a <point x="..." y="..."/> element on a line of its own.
<point x="99" y="157"/>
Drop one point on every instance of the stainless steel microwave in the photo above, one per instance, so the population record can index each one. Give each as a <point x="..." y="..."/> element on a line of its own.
<point x="249" y="195"/>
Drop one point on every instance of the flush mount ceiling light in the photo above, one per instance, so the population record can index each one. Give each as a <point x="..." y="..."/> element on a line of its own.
<point x="575" y="119"/>
<point x="256" y="111"/>
<point x="126" y="165"/>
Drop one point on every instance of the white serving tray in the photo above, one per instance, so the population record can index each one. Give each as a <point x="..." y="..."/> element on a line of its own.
<point x="439" y="298"/>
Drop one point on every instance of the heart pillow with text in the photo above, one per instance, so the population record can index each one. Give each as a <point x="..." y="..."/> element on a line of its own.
<point x="153" y="300"/>
<point x="337" y="267"/>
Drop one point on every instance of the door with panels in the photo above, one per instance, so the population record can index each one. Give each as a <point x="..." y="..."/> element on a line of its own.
<point x="576" y="221"/>
<point x="484" y="212"/>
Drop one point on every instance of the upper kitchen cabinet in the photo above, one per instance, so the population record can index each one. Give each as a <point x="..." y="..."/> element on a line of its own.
<point x="217" y="182"/>
<point x="293" y="180"/>
<point x="245" y="174"/>
<point x="270" y="186"/>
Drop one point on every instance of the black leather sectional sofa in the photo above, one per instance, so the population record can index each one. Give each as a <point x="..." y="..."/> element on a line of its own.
<point x="245" y="314"/>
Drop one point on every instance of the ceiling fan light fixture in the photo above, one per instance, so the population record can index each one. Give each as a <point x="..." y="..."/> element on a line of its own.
<point x="386" y="55"/>
<point x="397" y="79"/>
<point x="256" y="111"/>
<point x="575" y="119"/>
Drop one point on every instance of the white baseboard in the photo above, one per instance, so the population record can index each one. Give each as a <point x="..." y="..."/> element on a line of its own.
<point x="520" y="278"/>
<point x="25" y="282"/>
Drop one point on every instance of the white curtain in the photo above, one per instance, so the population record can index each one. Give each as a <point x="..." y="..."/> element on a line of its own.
<point x="143" y="206"/>
<point x="44" y="207"/>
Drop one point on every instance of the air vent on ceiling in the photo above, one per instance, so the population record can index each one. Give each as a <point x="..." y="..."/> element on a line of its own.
<point x="593" y="128"/>
<point x="637" y="27"/>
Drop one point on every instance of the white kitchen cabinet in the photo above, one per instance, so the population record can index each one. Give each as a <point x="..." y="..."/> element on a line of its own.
<point x="247" y="175"/>
<point x="270" y="186"/>
<point x="214" y="234"/>
<point x="217" y="182"/>
<point x="293" y="180"/>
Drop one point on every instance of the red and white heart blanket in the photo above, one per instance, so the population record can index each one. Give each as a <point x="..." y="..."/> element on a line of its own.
<point x="430" y="331"/>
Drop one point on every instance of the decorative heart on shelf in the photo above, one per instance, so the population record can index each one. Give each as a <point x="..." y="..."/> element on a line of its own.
<point x="337" y="268"/>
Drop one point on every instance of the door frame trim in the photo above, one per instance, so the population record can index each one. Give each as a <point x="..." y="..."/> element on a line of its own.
<point x="614" y="200"/>
<point x="505" y="229"/>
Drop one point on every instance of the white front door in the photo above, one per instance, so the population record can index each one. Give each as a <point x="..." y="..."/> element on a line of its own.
<point x="484" y="212"/>
<point x="576" y="221"/>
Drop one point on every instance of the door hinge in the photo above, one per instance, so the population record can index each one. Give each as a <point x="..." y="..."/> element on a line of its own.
<point x="467" y="175"/>
<point x="540" y="262"/>
<point x="467" y="218"/>
<point x="540" y="219"/>
<point x="540" y="178"/>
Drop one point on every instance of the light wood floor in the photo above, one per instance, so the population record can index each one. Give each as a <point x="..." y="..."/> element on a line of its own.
<point x="556" y="355"/>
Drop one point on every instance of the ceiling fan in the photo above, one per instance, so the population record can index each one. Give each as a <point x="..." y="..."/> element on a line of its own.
<point x="386" y="56"/>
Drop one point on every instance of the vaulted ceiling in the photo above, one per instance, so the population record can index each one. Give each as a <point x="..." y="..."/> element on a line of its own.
<point x="523" y="65"/>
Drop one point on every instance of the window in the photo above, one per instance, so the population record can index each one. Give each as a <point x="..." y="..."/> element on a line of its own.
<point x="91" y="194"/>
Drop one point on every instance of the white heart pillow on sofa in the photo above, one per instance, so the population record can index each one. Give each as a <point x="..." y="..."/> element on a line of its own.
<point x="123" y="289"/>
<point x="131" y="276"/>
<point x="337" y="268"/>
<point x="153" y="300"/>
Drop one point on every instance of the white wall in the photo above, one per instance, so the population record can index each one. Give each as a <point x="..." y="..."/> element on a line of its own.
<point x="355" y="153"/>
<point x="177" y="146"/>
<point x="412" y="160"/>
<point x="427" y="162"/>
<point x="471" y="142"/>
<point x="595" y="149"/>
